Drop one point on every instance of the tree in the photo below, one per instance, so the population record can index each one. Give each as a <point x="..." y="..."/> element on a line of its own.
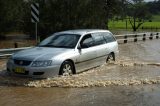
<point x="154" y="7"/>
<point x="58" y="15"/>
<point x="137" y="13"/>
<point x="11" y="15"/>
<point x="112" y="8"/>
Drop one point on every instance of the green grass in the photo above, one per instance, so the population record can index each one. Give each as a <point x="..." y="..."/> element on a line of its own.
<point x="156" y="18"/>
<point x="122" y="25"/>
<point x="148" y="25"/>
<point x="152" y="24"/>
<point x="118" y="25"/>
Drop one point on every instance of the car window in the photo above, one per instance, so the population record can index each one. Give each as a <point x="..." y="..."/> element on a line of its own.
<point x="98" y="38"/>
<point x="87" y="41"/>
<point x="61" y="41"/>
<point x="108" y="37"/>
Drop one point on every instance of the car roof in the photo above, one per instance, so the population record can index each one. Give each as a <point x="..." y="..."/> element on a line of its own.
<point x="83" y="31"/>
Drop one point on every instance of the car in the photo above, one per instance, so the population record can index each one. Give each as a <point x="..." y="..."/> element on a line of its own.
<point x="65" y="53"/>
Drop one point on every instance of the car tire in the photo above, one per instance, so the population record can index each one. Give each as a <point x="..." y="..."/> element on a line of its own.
<point x="111" y="57"/>
<point x="66" y="69"/>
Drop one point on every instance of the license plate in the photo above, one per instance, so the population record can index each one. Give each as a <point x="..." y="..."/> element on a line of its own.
<point x="19" y="70"/>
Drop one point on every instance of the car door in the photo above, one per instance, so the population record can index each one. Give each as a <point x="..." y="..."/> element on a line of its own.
<point x="87" y="54"/>
<point x="111" y="42"/>
<point x="101" y="47"/>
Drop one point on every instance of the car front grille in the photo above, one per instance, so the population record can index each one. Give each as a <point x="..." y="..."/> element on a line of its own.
<point x="22" y="62"/>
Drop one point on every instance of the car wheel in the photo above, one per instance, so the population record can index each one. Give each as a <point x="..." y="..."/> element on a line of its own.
<point x="111" y="57"/>
<point x="66" y="68"/>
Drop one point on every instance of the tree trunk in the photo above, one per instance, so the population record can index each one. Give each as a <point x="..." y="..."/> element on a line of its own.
<point x="134" y="29"/>
<point x="134" y="23"/>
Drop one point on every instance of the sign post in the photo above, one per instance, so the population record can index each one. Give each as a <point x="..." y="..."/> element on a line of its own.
<point x="35" y="17"/>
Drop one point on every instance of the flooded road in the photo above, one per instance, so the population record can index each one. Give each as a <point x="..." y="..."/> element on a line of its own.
<point x="134" y="79"/>
<point x="142" y="95"/>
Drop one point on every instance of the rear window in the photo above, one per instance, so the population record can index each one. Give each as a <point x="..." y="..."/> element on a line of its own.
<point x="98" y="38"/>
<point x="108" y="37"/>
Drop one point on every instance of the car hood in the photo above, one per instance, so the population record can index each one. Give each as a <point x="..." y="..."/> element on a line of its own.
<point x="39" y="53"/>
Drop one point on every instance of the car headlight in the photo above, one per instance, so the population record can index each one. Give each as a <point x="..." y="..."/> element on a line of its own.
<point x="42" y="63"/>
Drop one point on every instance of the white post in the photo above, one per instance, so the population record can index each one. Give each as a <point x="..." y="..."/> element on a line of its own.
<point x="36" y="33"/>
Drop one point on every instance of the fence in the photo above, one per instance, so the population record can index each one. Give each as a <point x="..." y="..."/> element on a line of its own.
<point x="120" y="38"/>
<point x="137" y="37"/>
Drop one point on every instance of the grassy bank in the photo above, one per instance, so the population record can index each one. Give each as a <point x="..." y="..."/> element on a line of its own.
<point x="126" y="25"/>
<point x="153" y="24"/>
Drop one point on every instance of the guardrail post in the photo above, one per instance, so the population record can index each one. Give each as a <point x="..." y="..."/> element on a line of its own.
<point x="135" y="38"/>
<point x="144" y="37"/>
<point x="157" y="36"/>
<point x="151" y="36"/>
<point x="15" y="45"/>
<point x="125" y="39"/>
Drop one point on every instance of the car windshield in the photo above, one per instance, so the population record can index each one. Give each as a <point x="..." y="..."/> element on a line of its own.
<point x="61" y="41"/>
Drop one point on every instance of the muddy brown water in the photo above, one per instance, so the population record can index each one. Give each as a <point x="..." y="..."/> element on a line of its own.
<point x="133" y="80"/>
<point x="142" y="95"/>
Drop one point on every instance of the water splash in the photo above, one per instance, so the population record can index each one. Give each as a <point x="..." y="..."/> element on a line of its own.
<point x="86" y="79"/>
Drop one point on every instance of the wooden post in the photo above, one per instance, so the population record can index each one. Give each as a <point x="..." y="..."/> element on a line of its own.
<point x="157" y="36"/>
<point x="135" y="38"/>
<point x="125" y="37"/>
<point x="15" y="45"/>
<point x="144" y="37"/>
<point x="151" y="36"/>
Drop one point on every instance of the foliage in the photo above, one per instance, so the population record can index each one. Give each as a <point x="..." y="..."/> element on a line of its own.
<point x="58" y="15"/>
<point x="137" y="13"/>
<point x="12" y="16"/>
<point x="154" y="7"/>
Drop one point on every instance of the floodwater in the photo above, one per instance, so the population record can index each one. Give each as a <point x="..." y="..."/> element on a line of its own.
<point x="133" y="80"/>
<point x="142" y="95"/>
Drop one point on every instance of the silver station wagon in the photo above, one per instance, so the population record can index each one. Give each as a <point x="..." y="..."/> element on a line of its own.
<point x="64" y="53"/>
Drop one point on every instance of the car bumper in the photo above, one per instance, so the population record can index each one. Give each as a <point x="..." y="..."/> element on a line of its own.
<point x="34" y="72"/>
